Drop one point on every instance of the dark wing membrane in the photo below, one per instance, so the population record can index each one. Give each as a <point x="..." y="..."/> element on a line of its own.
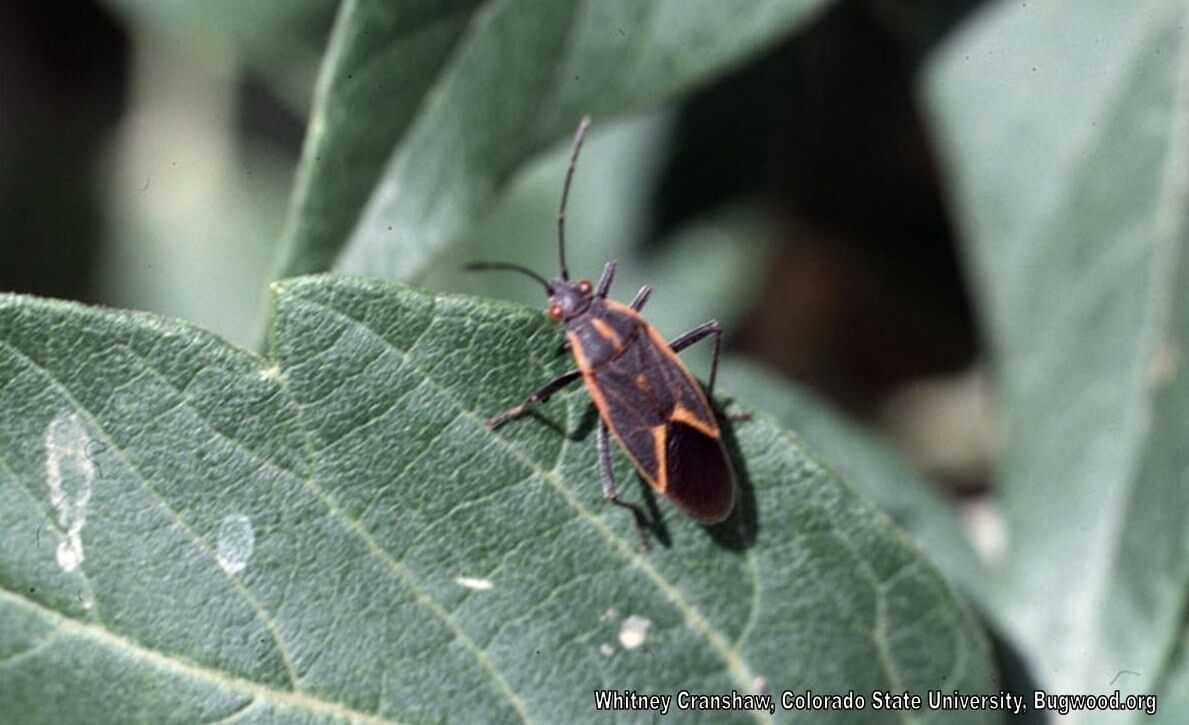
<point x="700" y="479"/>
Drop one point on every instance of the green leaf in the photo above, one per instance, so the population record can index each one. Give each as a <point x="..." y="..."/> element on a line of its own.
<point x="1067" y="143"/>
<point x="381" y="62"/>
<point x="192" y="532"/>
<point x="425" y="109"/>
<point x="870" y="466"/>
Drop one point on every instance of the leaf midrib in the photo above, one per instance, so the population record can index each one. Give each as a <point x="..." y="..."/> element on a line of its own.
<point x="68" y="627"/>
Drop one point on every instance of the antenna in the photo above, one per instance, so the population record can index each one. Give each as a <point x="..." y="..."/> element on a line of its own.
<point x="482" y="266"/>
<point x="579" y="135"/>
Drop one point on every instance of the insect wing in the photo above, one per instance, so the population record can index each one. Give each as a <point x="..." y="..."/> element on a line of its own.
<point x="700" y="478"/>
<point x="659" y="414"/>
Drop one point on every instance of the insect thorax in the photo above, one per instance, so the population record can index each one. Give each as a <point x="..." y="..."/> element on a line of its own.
<point x="603" y="333"/>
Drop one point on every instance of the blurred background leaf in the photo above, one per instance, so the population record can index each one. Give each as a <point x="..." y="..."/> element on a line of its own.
<point x="195" y="200"/>
<point x="191" y="216"/>
<point x="1073" y="194"/>
<point x="281" y="42"/>
<point x="488" y="84"/>
<point x="700" y="272"/>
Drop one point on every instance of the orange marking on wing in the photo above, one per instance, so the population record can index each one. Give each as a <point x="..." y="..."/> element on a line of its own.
<point x="577" y="351"/>
<point x="600" y="401"/>
<point x="681" y="414"/>
<point x="597" y="395"/>
<point x="607" y="333"/>
<point x="663" y="345"/>
<point x="660" y="440"/>
<point x="588" y="377"/>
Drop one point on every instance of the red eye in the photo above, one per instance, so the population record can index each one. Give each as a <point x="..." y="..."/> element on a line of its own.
<point x="555" y="311"/>
<point x="584" y="286"/>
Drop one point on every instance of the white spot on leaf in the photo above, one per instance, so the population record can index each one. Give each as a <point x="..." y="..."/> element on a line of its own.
<point x="606" y="649"/>
<point x="70" y="474"/>
<point x="469" y="583"/>
<point x="70" y="551"/>
<point x="236" y="542"/>
<point x="633" y="631"/>
<point x="608" y="615"/>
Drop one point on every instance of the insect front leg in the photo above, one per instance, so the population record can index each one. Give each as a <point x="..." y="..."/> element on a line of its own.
<point x="611" y="491"/>
<point x="538" y="397"/>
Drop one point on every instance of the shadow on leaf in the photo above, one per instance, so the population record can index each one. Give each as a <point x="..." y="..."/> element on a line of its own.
<point x="739" y="531"/>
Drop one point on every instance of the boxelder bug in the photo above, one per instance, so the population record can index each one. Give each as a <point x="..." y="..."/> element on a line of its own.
<point x="645" y="396"/>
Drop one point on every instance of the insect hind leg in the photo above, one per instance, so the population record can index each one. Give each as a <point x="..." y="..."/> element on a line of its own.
<point x="611" y="490"/>
<point x="698" y="333"/>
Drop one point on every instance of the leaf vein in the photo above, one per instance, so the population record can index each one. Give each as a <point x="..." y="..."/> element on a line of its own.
<point x="198" y="540"/>
<point x="235" y="714"/>
<point x="187" y="402"/>
<point x="181" y="667"/>
<point x="879" y="630"/>
<point x="420" y="594"/>
<point x="356" y="527"/>
<point x="44" y="643"/>
<point x="693" y="617"/>
<point x="754" y="607"/>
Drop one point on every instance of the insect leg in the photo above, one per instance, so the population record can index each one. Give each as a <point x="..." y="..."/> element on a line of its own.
<point x="641" y="298"/>
<point x="604" y="285"/>
<point x="611" y="491"/>
<point x="538" y="397"/>
<point x="706" y="328"/>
